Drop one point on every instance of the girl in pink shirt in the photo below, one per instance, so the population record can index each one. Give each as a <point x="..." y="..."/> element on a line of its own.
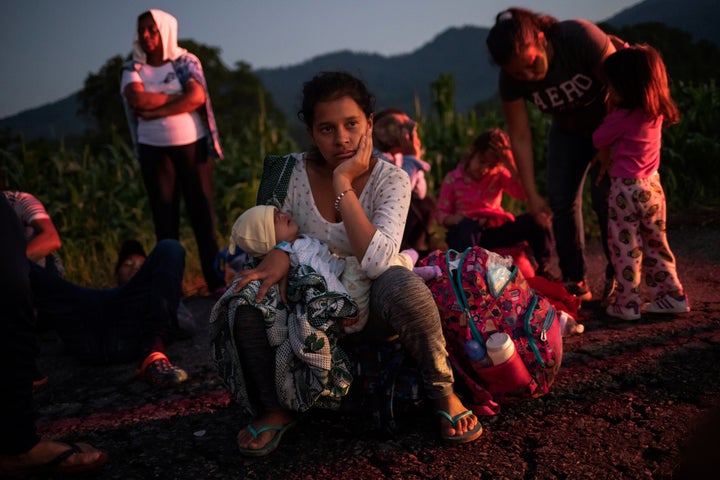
<point x="629" y="148"/>
<point x="470" y="202"/>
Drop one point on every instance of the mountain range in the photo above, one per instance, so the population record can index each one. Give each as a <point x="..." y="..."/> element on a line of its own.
<point x="398" y="79"/>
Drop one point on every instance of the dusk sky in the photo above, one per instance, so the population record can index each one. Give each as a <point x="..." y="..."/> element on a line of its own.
<point x="50" y="46"/>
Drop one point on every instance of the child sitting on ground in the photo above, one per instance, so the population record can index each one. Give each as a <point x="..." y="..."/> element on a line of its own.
<point x="470" y="203"/>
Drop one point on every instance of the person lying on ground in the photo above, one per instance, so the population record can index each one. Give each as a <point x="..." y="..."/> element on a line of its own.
<point x="134" y="320"/>
<point x="130" y="322"/>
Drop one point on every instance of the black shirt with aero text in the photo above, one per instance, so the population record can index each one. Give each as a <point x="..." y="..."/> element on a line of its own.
<point x="570" y="92"/>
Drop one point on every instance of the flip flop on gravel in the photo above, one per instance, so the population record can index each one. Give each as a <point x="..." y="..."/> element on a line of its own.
<point x="13" y="467"/>
<point x="466" y="437"/>
<point x="269" y="447"/>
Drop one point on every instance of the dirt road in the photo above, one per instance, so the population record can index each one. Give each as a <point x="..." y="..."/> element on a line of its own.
<point x="628" y="397"/>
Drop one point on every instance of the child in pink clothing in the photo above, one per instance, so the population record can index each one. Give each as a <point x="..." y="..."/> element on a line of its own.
<point x="470" y="202"/>
<point x="640" y="97"/>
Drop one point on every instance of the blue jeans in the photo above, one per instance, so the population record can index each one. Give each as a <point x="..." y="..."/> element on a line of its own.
<point x="18" y="344"/>
<point x="568" y="160"/>
<point x="116" y="324"/>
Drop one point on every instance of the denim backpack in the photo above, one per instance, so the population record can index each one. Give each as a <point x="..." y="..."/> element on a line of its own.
<point x="480" y="293"/>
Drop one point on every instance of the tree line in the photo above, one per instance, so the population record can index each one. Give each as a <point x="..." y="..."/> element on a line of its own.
<point x="93" y="190"/>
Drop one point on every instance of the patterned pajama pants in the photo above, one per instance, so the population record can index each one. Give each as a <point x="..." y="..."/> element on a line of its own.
<point x="638" y="240"/>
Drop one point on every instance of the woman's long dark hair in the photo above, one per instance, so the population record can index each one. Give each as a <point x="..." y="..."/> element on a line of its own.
<point x="330" y="86"/>
<point x="514" y="28"/>
<point x="638" y="76"/>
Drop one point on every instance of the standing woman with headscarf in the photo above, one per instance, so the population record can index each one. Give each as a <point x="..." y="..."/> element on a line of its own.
<point x="163" y="89"/>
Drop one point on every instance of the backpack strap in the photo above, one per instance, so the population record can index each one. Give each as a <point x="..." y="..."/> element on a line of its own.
<point x="275" y="179"/>
<point x="457" y="286"/>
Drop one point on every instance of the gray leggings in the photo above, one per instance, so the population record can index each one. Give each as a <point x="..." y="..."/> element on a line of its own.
<point x="400" y="304"/>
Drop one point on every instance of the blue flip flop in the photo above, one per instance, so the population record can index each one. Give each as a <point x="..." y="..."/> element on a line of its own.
<point x="468" y="436"/>
<point x="269" y="447"/>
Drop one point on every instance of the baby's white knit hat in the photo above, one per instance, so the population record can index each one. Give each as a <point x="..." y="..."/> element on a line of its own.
<point x="254" y="231"/>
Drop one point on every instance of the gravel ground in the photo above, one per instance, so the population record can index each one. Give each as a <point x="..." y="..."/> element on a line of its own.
<point x="633" y="400"/>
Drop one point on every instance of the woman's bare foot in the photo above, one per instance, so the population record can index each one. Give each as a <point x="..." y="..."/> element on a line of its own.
<point x="464" y="424"/>
<point x="280" y="418"/>
<point x="40" y="458"/>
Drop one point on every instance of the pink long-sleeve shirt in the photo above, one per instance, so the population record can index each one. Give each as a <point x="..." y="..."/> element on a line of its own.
<point x="475" y="199"/>
<point x="635" y="138"/>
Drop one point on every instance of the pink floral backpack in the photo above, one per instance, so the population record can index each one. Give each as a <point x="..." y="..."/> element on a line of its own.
<point x="480" y="293"/>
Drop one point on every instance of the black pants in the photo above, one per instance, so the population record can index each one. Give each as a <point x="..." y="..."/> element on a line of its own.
<point x="117" y="324"/>
<point x="468" y="233"/>
<point x="169" y="172"/>
<point x="568" y="159"/>
<point x="18" y="345"/>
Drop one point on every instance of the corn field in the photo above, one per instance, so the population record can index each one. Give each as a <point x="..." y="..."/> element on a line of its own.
<point x="96" y="197"/>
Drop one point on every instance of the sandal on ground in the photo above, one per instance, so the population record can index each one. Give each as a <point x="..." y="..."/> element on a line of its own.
<point x="466" y="437"/>
<point x="57" y="465"/>
<point x="270" y="446"/>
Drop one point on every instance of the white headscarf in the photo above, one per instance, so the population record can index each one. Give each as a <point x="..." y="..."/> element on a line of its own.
<point x="167" y="25"/>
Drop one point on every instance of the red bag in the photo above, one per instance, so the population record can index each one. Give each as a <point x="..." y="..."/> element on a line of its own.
<point x="478" y="295"/>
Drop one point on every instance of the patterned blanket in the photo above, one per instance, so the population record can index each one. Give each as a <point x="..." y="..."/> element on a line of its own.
<point x="310" y="368"/>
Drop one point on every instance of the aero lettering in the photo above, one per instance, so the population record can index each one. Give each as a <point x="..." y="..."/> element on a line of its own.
<point x="563" y="94"/>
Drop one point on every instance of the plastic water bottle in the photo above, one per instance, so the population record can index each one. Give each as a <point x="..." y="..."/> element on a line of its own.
<point x="476" y="352"/>
<point x="568" y="325"/>
<point x="500" y="348"/>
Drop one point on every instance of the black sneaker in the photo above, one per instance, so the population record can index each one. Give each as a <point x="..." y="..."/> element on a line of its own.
<point x="579" y="289"/>
<point x="158" y="370"/>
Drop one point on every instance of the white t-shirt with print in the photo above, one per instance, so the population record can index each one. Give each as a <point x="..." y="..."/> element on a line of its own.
<point x="181" y="129"/>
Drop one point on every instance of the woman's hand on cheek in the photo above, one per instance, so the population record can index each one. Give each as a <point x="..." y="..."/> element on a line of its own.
<point x="273" y="269"/>
<point x="357" y="165"/>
